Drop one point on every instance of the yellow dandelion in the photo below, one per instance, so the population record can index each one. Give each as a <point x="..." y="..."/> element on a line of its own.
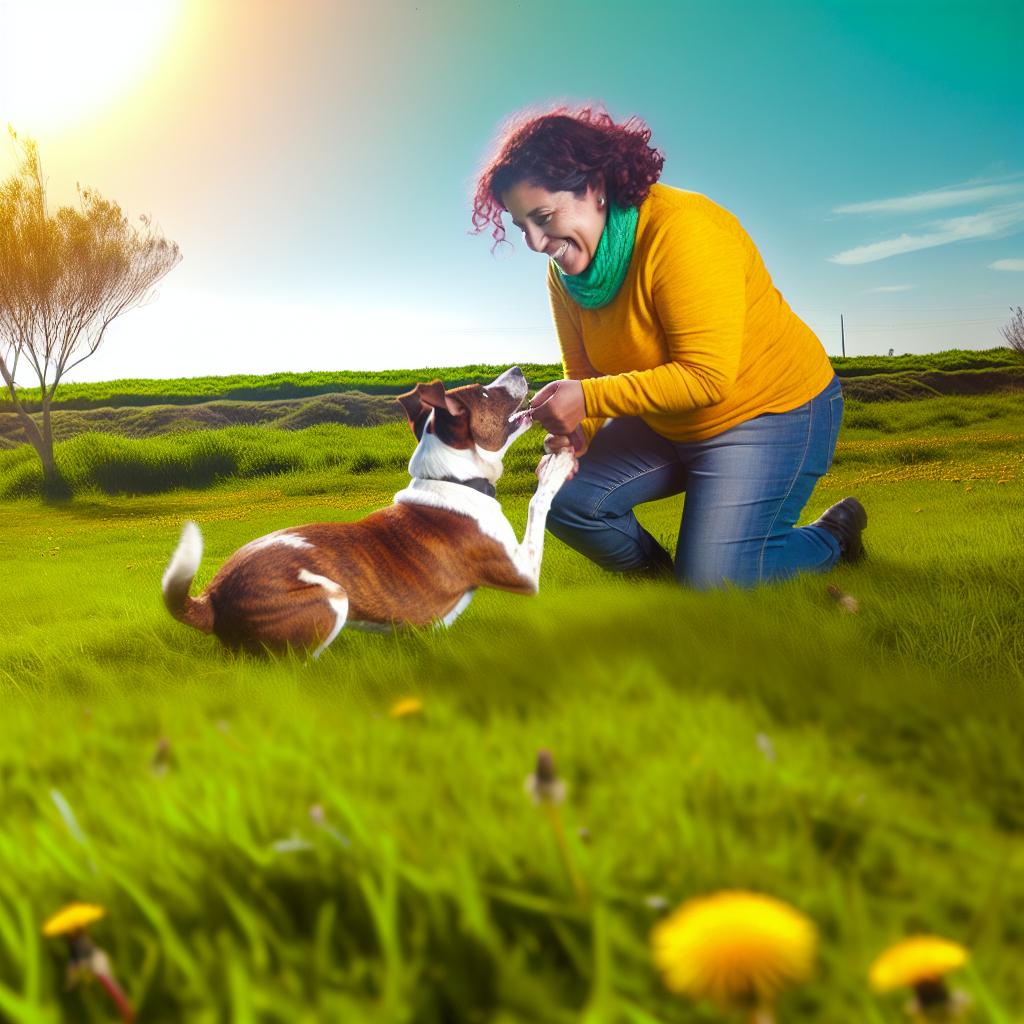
<point x="72" y="918"/>
<point x="919" y="960"/>
<point x="734" y="948"/>
<point x="406" y="707"/>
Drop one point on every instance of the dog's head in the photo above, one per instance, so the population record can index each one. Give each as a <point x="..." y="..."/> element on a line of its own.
<point x="465" y="432"/>
<point x="480" y="415"/>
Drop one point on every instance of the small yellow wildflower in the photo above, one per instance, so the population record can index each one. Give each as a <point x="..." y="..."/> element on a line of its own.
<point x="916" y="960"/>
<point x="406" y="707"/>
<point x="734" y="948"/>
<point x="72" y="918"/>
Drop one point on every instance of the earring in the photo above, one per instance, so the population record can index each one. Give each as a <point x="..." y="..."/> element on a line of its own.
<point x="600" y="200"/>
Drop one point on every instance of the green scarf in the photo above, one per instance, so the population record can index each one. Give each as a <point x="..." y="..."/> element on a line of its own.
<point x="600" y="282"/>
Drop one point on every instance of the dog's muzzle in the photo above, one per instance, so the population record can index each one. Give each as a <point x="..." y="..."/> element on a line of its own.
<point x="520" y="419"/>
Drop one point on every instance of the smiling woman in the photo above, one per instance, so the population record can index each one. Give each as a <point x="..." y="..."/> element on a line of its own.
<point x="685" y="369"/>
<point x="60" y="60"/>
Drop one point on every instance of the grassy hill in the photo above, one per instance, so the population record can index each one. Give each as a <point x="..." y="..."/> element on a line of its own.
<point x="196" y="456"/>
<point x="274" y="387"/>
<point x="355" y="399"/>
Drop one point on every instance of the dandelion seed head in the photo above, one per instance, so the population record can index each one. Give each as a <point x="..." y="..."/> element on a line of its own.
<point x="543" y="784"/>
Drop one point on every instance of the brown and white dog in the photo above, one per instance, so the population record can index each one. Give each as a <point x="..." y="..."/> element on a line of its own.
<point x="416" y="562"/>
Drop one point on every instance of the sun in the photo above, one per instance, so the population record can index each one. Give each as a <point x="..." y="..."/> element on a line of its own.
<point x="62" y="61"/>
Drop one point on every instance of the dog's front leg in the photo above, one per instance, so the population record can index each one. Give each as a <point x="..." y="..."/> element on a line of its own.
<point x="551" y="474"/>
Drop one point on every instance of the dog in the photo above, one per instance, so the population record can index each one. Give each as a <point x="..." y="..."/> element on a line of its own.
<point x="414" y="563"/>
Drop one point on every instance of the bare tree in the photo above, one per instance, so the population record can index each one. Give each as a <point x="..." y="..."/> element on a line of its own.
<point x="63" y="279"/>
<point x="1013" y="332"/>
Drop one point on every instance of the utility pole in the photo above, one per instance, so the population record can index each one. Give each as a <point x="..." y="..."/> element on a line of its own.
<point x="842" y="334"/>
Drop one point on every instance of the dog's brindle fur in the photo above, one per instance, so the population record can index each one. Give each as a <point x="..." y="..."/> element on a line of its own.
<point x="406" y="564"/>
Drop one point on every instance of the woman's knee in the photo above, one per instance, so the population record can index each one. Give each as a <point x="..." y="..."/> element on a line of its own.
<point x="573" y="504"/>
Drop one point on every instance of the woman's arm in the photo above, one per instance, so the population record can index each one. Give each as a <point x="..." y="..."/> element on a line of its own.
<point x="574" y="356"/>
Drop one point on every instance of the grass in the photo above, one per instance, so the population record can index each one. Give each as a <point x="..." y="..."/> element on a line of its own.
<point x="295" y="854"/>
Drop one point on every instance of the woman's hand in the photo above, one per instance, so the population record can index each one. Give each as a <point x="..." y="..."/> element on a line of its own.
<point x="575" y="441"/>
<point x="559" y="407"/>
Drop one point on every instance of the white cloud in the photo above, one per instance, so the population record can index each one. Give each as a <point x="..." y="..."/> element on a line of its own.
<point x="1007" y="265"/>
<point x="938" y="199"/>
<point x="891" y="288"/>
<point x="991" y="223"/>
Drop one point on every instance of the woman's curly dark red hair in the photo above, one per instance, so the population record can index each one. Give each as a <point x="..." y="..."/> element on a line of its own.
<point x="565" y="151"/>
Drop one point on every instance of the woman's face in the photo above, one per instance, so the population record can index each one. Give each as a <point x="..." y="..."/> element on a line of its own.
<point x="557" y="223"/>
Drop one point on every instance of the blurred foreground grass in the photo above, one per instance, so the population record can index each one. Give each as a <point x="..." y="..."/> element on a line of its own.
<point x="292" y="853"/>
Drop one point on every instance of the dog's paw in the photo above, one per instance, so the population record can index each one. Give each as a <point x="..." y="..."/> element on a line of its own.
<point x="554" y="468"/>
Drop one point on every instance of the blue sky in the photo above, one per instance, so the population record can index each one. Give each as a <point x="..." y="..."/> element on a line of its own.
<point x="315" y="162"/>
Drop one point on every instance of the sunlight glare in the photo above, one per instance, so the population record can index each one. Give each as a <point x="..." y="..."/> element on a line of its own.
<point x="63" y="60"/>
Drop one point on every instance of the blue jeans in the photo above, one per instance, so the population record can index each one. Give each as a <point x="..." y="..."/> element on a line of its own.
<point x="745" y="490"/>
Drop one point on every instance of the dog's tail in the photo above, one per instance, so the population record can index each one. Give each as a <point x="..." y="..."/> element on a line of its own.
<point x="193" y="611"/>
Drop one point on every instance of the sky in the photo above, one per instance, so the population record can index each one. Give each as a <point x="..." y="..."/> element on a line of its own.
<point x="315" y="161"/>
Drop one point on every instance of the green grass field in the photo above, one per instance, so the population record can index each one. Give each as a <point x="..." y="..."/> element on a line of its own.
<point x="295" y="854"/>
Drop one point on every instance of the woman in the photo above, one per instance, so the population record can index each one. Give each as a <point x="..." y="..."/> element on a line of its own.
<point x="685" y="368"/>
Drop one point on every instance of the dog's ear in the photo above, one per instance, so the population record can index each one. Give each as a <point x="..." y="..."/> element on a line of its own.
<point x="411" y="403"/>
<point x="434" y="395"/>
<point x="424" y="398"/>
<point x="415" y="410"/>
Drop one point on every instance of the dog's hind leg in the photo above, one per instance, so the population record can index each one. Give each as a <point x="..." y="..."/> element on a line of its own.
<point x="336" y="598"/>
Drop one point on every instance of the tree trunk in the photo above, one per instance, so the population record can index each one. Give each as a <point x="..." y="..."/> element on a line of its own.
<point x="54" y="485"/>
<point x="42" y="441"/>
<point x="46" y="451"/>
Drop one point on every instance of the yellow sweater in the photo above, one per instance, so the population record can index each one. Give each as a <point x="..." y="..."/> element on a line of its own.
<point x="698" y="339"/>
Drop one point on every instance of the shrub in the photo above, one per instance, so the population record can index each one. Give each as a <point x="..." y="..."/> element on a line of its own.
<point x="1013" y="331"/>
<point x="368" y="462"/>
<point x="917" y="452"/>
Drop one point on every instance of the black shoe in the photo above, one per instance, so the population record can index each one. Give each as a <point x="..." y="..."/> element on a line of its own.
<point x="845" y="520"/>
